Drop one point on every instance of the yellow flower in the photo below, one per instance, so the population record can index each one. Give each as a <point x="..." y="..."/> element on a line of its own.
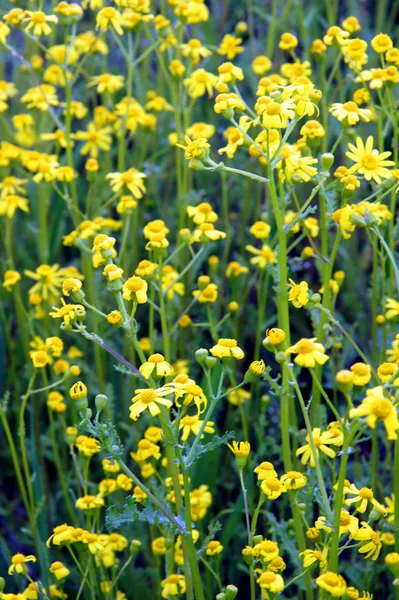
<point x="136" y="288"/>
<point x="368" y="161"/>
<point x="381" y="43"/>
<point x="195" y="50"/>
<point x="349" y="113"/>
<point x="274" y="115"/>
<point x="131" y="179"/>
<point x="230" y="46"/>
<point x="361" y="374"/>
<point x="266" y="549"/>
<point x="40" y="358"/>
<point x="272" y="488"/>
<point x="158" y="546"/>
<point x="274" y="336"/>
<point x="109" y="16"/>
<point x="270" y="582"/>
<point x="18" y="563"/>
<point x="362" y="497"/>
<point x="298" y="293"/>
<point x="59" y="570"/>
<point x="288" y="41"/>
<point x="96" y="139"/>
<point x="313" y="558"/>
<point x="263" y="256"/>
<point x="201" y="130"/>
<point x="386" y="371"/>
<point x="62" y="534"/>
<point x="106" y="82"/>
<point x="10" y="203"/>
<point x="351" y="24"/>
<point x="192" y="424"/>
<point x="265" y="471"/>
<point x="309" y="353"/>
<point x="87" y="445"/>
<point x="377" y="407"/>
<point x="158" y="363"/>
<point x="322" y="441"/>
<point x="89" y="502"/>
<point x="149" y="399"/>
<point x="227" y="348"/>
<point x="38" y="22"/>
<point x="11" y="279"/>
<point x="293" y="480"/>
<point x="240" y="449"/>
<point x="261" y="64"/>
<point x="199" y="83"/>
<point x="370" y="541"/>
<point x="214" y="548"/>
<point x="174" y="585"/>
<point x="333" y="583"/>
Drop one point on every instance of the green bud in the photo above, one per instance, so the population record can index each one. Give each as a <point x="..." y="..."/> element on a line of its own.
<point x="228" y="113"/>
<point x="347" y="194"/>
<point x="115" y="286"/>
<point x="315" y="298"/>
<point x="281" y="357"/>
<point x="101" y="401"/>
<point x="258" y="539"/>
<point x="2" y="584"/>
<point x="196" y="165"/>
<point x="231" y="592"/>
<point x="221" y="596"/>
<point x="135" y="547"/>
<point x="78" y="296"/>
<point x="201" y="355"/>
<point x="211" y="362"/>
<point x="327" y="160"/>
<point x="375" y="515"/>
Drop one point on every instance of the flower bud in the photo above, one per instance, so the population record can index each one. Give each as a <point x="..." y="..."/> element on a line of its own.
<point x="71" y="433"/>
<point x="78" y="394"/>
<point x="101" y="401"/>
<point x="344" y="379"/>
<point x="134" y="548"/>
<point x="256" y="369"/>
<point x="392" y="562"/>
<point x="327" y="160"/>
<point x="2" y="584"/>
<point x="220" y="596"/>
<point x="231" y="592"/>
<point x="281" y="357"/>
<point x="201" y="355"/>
<point x="211" y="362"/>
<point x="315" y="298"/>
<point x="258" y="539"/>
<point x="247" y="555"/>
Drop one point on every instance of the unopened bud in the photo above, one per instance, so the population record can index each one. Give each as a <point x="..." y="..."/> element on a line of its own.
<point x="327" y="160"/>
<point x="201" y="356"/>
<point x="211" y="362"/>
<point x="78" y="393"/>
<point x="134" y="548"/>
<point x="101" y="401"/>
<point x="231" y="592"/>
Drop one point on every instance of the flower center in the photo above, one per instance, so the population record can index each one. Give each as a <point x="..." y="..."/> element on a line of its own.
<point x="39" y="17"/>
<point x="304" y="347"/>
<point x="148" y="396"/>
<point x="366" y="493"/>
<point x="273" y="108"/>
<point x="369" y="162"/>
<point x="156" y="358"/>
<point x="382" y="408"/>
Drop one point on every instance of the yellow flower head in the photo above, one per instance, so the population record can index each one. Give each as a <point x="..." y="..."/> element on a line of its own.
<point x="298" y="293"/>
<point x="309" y="353"/>
<point x="227" y="348"/>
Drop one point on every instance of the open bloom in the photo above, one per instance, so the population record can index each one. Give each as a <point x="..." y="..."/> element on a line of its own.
<point x="377" y="407"/>
<point x="333" y="583"/>
<point x="157" y="363"/>
<point x="131" y="179"/>
<point x="227" y="348"/>
<point x="309" y="353"/>
<point x="298" y="293"/>
<point x="38" y="21"/>
<point x="371" y="542"/>
<point x="322" y="442"/>
<point x="362" y="498"/>
<point x="368" y="161"/>
<point x="174" y="585"/>
<point x="149" y="399"/>
<point x="18" y="563"/>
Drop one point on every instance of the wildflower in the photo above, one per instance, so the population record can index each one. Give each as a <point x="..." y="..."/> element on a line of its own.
<point x="131" y="179"/>
<point x="313" y="558"/>
<point x="230" y="47"/>
<point x="214" y="548"/>
<point x="238" y="397"/>
<point x="333" y="583"/>
<point x="158" y="363"/>
<point x="199" y="83"/>
<point x="322" y="441"/>
<point x="174" y="585"/>
<point x="9" y="205"/>
<point x="59" y="570"/>
<point x="349" y="113"/>
<point x="124" y="482"/>
<point x="18" y="563"/>
<point x="95" y="139"/>
<point x="293" y="480"/>
<point x="11" y="279"/>
<point x="362" y="497"/>
<point x="39" y="359"/>
<point x="368" y="161"/>
<point x="195" y="149"/>
<point x="263" y="256"/>
<point x="227" y="348"/>
<point x="135" y="288"/>
<point x="274" y="115"/>
<point x="361" y="374"/>
<point x="266" y="550"/>
<point x="201" y="130"/>
<point x="89" y="502"/>
<point x="241" y="452"/>
<point x="38" y="22"/>
<point x="288" y="41"/>
<point x="265" y="471"/>
<point x="87" y="445"/>
<point x="203" y="213"/>
<point x="272" y="488"/>
<point x="370" y="541"/>
<point x="347" y="524"/>
<point x="386" y="371"/>
<point x="274" y="337"/>
<point x="194" y="50"/>
<point x="149" y="399"/>
<point x="376" y="407"/>
<point x="192" y="424"/>
<point x="109" y="16"/>
<point x="381" y="43"/>
<point x="309" y="353"/>
<point x="270" y="582"/>
<point x="206" y="232"/>
<point x="298" y="293"/>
